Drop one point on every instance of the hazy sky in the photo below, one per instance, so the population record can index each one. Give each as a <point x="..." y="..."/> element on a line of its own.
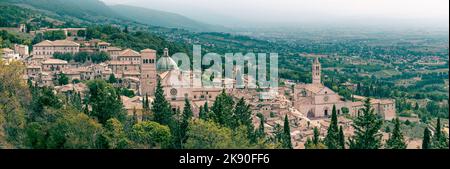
<point x="294" y="11"/>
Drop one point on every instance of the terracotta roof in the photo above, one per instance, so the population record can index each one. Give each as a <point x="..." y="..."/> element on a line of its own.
<point x="129" y="53"/>
<point x="44" y="43"/>
<point x="103" y="43"/>
<point x="33" y="67"/>
<point x="79" y="87"/>
<point x="113" y="49"/>
<point x="54" y="61"/>
<point x="132" y="103"/>
<point x="131" y="73"/>
<point x="148" y="51"/>
<point x="57" y="43"/>
<point x="6" y="50"/>
<point x="116" y="62"/>
<point x="83" y="69"/>
<point x="134" y="79"/>
<point x="71" y="72"/>
<point x="373" y="102"/>
<point x="312" y="87"/>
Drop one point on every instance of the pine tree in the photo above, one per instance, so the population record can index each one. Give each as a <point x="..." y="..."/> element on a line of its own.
<point x="332" y="138"/>
<point x="287" y="134"/>
<point x="222" y="111"/>
<point x="112" y="79"/>
<point x="341" y="138"/>
<point x="396" y="140"/>
<point x="161" y="107"/>
<point x="426" y="142"/>
<point x="243" y="116"/>
<point x="367" y="126"/>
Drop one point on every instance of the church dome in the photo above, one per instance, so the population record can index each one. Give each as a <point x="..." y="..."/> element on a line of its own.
<point x="166" y="63"/>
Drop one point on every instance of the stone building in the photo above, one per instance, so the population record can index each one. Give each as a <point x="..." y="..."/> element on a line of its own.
<point x="67" y="31"/>
<point x="148" y="72"/>
<point x="22" y="50"/>
<point x="316" y="100"/>
<point x="178" y="85"/>
<point x="54" y="65"/>
<point x="46" y="49"/>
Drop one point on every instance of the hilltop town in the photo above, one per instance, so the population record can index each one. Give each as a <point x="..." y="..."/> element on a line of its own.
<point x="307" y="106"/>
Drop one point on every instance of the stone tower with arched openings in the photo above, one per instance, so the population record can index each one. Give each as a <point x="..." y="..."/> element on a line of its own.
<point x="148" y="72"/>
<point x="316" y="71"/>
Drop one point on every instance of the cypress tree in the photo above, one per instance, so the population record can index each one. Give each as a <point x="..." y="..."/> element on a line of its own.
<point x="439" y="139"/>
<point x="179" y="127"/>
<point x="135" y="117"/>
<point x="287" y="134"/>
<point x="86" y="109"/>
<point x="367" y="126"/>
<point x="426" y="142"/>
<point x="187" y="116"/>
<point x="261" y="132"/>
<point x="341" y="138"/>
<point x="332" y="138"/>
<point x="206" y="109"/>
<point x="143" y="103"/>
<point x="308" y="143"/>
<point x="315" y="143"/>
<point x="201" y="113"/>
<point x="147" y="102"/>
<point x="76" y="101"/>
<point x="396" y="140"/>
<point x="438" y="134"/>
<point x="316" y="139"/>
<point x="204" y="112"/>
<point x="161" y="107"/>
<point x="176" y="130"/>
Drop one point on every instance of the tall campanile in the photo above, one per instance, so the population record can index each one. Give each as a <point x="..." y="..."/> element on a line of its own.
<point x="148" y="72"/>
<point x="316" y="71"/>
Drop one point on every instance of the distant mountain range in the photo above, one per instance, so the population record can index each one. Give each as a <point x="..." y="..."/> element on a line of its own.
<point x="97" y="11"/>
<point x="164" y="19"/>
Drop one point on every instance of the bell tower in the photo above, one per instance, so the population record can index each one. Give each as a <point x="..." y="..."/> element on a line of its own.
<point x="316" y="71"/>
<point x="148" y="72"/>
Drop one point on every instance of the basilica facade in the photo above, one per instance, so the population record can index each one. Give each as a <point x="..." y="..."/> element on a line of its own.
<point x="315" y="100"/>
